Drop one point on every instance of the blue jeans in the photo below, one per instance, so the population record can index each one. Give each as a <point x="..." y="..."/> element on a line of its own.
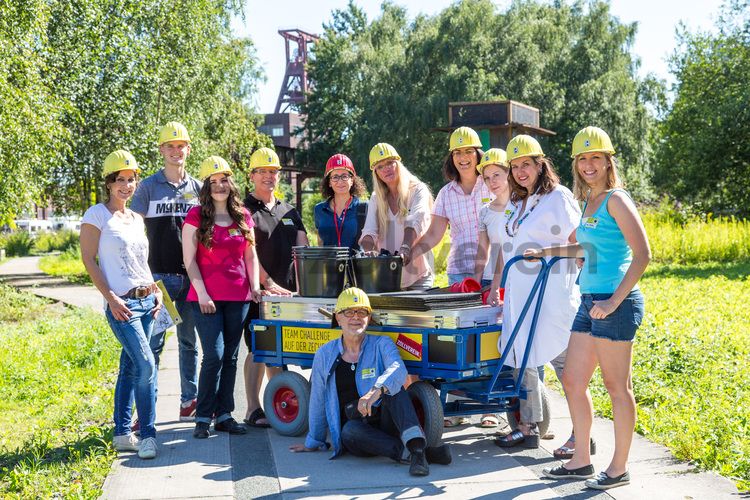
<point x="177" y="286"/>
<point x="137" y="368"/>
<point x="458" y="277"/>
<point x="387" y="437"/>
<point x="220" y="335"/>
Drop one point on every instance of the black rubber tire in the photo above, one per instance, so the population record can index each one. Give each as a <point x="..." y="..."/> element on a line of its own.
<point x="429" y="410"/>
<point x="282" y="393"/>
<point x="542" y="426"/>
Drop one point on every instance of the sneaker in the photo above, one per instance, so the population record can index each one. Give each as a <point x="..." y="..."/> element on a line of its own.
<point x="136" y="428"/>
<point x="604" y="482"/>
<point x="438" y="454"/>
<point x="201" y="430"/>
<point x="187" y="410"/>
<point x="127" y="442"/>
<point x="148" y="448"/>
<point x="561" y="472"/>
<point x="418" y="465"/>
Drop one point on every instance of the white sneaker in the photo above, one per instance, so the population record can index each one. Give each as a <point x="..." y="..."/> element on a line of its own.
<point x="148" y="448"/>
<point x="126" y="442"/>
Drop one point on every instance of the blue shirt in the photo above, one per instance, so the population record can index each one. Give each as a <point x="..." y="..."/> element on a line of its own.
<point x="379" y="364"/>
<point x="608" y="254"/>
<point x="327" y="230"/>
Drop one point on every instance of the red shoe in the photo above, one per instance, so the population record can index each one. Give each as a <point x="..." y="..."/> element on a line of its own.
<point x="187" y="411"/>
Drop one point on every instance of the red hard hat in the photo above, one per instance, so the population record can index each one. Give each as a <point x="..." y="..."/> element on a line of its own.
<point x="339" y="161"/>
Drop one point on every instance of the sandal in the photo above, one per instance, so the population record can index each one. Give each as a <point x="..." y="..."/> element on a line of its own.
<point x="455" y="421"/>
<point x="489" y="421"/>
<point x="518" y="437"/>
<point x="255" y="416"/>
<point x="566" y="452"/>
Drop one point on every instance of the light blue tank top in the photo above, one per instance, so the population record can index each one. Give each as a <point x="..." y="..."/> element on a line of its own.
<point x="608" y="255"/>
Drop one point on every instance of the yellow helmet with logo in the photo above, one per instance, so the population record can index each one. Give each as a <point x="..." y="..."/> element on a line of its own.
<point x="214" y="165"/>
<point x="119" y="160"/>
<point x="523" y="145"/>
<point x="382" y="151"/>
<point x="590" y="140"/>
<point x="494" y="156"/>
<point x="173" y="131"/>
<point x="264" y="158"/>
<point x="465" y="137"/>
<point x="351" y="298"/>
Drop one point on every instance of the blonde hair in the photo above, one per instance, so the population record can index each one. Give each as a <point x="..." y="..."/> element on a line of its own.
<point x="581" y="188"/>
<point x="406" y="182"/>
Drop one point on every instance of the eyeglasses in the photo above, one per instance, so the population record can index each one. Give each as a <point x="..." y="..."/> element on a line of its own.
<point x="263" y="171"/>
<point x="360" y="313"/>
<point x="339" y="178"/>
<point x="383" y="166"/>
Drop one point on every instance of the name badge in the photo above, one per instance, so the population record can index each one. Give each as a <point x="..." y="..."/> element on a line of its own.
<point x="287" y="222"/>
<point x="486" y="200"/>
<point x="368" y="373"/>
<point x="590" y="222"/>
<point x="188" y="196"/>
<point x="235" y="232"/>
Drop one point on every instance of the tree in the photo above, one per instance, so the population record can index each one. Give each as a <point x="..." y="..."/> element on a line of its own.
<point x="703" y="149"/>
<point x="391" y="80"/>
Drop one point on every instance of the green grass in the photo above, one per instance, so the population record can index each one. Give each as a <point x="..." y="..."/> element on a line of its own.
<point x="66" y="265"/>
<point x="57" y="371"/>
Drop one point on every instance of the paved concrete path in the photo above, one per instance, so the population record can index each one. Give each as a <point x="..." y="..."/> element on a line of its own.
<point x="259" y="465"/>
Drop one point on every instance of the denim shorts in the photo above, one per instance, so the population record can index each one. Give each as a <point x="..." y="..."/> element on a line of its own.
<point x="620" y="326"/>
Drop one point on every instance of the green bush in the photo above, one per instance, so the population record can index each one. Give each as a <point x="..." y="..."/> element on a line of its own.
<point x="67" y="265"/>
<point x="57" y="241"/>
<point x="17" y="243"/>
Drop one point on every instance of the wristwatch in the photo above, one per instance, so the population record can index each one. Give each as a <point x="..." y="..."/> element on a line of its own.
<point x="382" y="389"/>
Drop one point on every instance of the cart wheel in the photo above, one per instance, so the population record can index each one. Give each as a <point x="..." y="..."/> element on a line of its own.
<point x="514" y="417"/>
<point x="287" y="400"/>
<point x="429" y="410"/>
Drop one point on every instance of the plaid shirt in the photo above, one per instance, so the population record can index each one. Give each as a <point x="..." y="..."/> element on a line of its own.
<point x="462" y="212"/>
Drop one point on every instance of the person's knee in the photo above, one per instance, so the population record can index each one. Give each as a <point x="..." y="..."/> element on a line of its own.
<point x="618" y="388"/>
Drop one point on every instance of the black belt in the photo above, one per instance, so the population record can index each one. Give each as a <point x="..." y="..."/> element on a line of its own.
<point x="139" y="292"/>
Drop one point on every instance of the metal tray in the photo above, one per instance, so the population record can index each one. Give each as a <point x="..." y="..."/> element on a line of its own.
<point x="296" y="308"/>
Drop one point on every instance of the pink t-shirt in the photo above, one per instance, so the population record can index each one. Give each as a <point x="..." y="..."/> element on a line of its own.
<point x="223" y="266"/>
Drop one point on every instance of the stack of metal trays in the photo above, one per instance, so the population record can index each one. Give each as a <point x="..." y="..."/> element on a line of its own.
<point x="460" y="313"/>
<point x="421" y="301"/>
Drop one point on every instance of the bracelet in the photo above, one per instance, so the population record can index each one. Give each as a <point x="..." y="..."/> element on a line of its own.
<point x="408" y="248"/>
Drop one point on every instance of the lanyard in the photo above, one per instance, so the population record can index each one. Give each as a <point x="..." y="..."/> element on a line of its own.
<point x="343" y="218"/>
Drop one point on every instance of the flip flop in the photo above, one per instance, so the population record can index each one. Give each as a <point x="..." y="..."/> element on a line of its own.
<point x="257" y="414"/>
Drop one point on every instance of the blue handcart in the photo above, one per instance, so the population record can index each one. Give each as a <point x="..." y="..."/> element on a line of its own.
<point x="464" y="362"/>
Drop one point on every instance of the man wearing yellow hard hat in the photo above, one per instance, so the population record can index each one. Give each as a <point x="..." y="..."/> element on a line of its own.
<point x="357" y="395"/>
<point x="278" y="227"/>
<point x="163" y="199"/>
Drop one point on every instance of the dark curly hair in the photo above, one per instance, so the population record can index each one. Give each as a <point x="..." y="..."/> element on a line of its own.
<point x="234" y="207"/>
<point x="450" y="172"/>
<point x="358" y="188"/>
<point x="545" y="183"/>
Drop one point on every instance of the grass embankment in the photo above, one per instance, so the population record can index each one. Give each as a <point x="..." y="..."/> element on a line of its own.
<point x="57" y="371"/>
<point x="66" y="265"/>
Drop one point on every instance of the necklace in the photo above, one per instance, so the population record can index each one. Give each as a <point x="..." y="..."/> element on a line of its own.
<point x="354" y="366"/>
<point x="520" y="221"/>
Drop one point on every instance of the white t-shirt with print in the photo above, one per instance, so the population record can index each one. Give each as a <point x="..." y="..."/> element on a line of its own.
<point x="123" y="249"/>
<point x="493" y="223"/>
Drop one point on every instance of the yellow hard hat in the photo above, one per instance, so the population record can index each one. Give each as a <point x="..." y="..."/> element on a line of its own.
<point x="350" y="298"/>
<point x="214" y="165"/>
<point x="119" y="160"/>
<point x="465" y="137"/>
<point x="382" y="151"/>
<point x="264" y="158"/>
<point x="523" y="145"/>
<point x="590" y="140"/>
<point x="173" y="131"/>
<point x="494" y="156"/>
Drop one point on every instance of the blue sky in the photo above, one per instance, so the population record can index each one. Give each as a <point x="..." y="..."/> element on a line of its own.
<point x="655" y="41"/>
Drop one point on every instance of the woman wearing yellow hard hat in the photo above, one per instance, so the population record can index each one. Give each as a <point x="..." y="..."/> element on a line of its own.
<point x="611" y="237"/>
<point x="116" y="236"/>
<point x="397" y="215"/>
<point x="493" y="170"/>
<point x="458" y="204"/>
<point x="541" y="213"/>
<point x="218" y="247"/>
<point x="357" y="395"/>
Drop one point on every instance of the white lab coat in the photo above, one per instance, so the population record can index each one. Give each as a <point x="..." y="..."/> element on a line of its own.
<point x="554" y="218"/>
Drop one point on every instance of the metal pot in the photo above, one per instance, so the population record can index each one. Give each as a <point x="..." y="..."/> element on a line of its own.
<point x="378" y="274"/>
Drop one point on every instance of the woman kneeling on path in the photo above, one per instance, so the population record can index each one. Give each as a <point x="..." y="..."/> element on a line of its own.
<point x="218" y="248"/>
<point x="612" y="240"/>
<point x="357" y="395"/>
<point x="117" y="236"/>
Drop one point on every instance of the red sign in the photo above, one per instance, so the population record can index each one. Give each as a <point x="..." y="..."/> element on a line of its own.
<point x="411" y="346"/>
